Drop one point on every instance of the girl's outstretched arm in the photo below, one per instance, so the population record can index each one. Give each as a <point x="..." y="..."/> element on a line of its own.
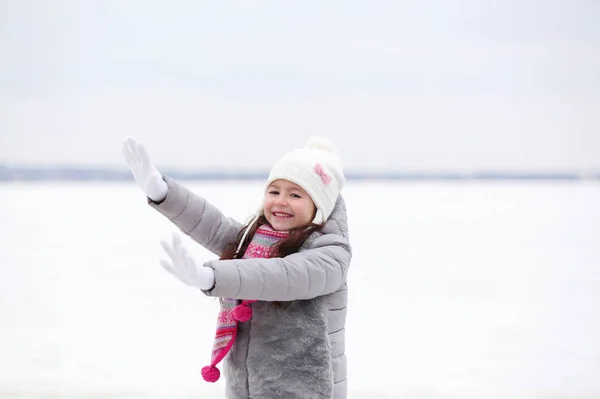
<point x="318" y="271"/>
<point x="191" y="213"/>
<point x="197" y="218"/>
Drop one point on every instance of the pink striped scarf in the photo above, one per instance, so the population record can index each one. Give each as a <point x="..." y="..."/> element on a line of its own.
<point x="234" y="311"/>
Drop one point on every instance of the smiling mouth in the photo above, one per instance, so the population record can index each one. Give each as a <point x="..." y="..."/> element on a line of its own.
<point x="282" y="215"/>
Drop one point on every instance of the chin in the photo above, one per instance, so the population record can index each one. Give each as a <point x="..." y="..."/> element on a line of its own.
<point x="280" y="226"/>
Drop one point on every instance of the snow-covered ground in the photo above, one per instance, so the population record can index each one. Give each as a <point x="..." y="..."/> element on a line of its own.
<point x="457" y="290"/>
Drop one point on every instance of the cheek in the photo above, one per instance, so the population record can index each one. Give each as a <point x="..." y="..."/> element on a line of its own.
<point x="308" y="209"/>
<point x="267" y="203"/>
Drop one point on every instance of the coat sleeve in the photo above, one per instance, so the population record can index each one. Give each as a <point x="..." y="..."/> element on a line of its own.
<point x="319" y="270"/>
<point x="197" y="218"/>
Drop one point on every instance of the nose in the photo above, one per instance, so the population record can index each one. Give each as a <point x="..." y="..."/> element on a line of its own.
<point x="281" y="200"/>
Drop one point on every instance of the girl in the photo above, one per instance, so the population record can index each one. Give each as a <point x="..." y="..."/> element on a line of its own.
<point x="281" y="278"/>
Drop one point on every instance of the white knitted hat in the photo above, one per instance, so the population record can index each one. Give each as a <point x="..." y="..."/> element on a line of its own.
<point x="317" y="169"/>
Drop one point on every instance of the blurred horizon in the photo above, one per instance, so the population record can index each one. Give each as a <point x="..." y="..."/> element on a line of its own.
<point x="15" y="173"/>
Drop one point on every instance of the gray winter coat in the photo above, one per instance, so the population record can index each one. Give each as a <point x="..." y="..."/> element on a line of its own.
<point x="296" y="350"/>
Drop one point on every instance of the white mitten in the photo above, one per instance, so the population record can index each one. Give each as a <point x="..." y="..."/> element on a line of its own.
<point x="185" y="268"/>
<point x="145" y="174"/>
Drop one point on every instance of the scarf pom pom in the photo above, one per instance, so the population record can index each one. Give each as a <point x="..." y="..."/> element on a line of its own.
<point x="242" y="313"/>
<point x="210" y="373"/>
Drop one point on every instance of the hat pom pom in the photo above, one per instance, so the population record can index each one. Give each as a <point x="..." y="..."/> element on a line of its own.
<point x="320" y="143"/>
<point x="210" y="373"/>
<point x="242" y="313"/>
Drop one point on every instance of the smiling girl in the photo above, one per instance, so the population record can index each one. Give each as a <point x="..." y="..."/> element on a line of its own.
<point x="281" y="278"/>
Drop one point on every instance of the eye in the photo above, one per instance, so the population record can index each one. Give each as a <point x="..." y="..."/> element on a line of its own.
<point x="273" y="192"/>
<point x="296" y="196"/>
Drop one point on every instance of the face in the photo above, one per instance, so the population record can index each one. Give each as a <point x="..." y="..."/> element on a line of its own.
<point x="287" y="206"/>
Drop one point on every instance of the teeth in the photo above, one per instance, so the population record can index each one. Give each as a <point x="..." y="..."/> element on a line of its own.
<point x="281" y="215"/>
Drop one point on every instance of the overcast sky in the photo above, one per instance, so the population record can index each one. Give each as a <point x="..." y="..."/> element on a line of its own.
<point x="398" y="85"/>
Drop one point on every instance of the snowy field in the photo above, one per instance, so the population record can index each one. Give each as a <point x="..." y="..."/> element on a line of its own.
<point x="457" y="290"/>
